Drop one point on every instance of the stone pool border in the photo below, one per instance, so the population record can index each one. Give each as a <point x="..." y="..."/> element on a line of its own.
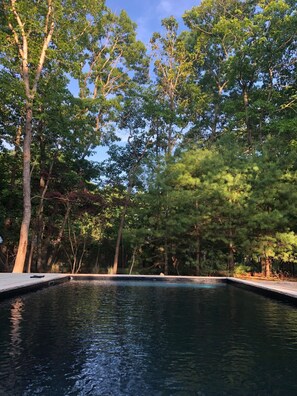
<point x="285" y="291"/>
<point x="12" y="284"/>
<point x="156" y="278"/>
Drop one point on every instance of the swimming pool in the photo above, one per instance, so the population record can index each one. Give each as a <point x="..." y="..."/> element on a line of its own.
<point x="146" y="338"/>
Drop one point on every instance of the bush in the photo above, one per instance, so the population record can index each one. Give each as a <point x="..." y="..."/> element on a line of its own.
<point x="242" y="269"/>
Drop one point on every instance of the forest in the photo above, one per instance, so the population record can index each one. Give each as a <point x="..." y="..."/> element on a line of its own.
<point x="198" y="131"/>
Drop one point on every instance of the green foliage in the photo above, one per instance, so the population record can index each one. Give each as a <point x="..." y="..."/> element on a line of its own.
<point x="244" y="65"/>
<point x="207" y="175"/>
<point x="242" y="270"/>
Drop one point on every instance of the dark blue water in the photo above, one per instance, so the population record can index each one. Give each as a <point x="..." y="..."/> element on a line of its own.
<point x="147" y="339"/>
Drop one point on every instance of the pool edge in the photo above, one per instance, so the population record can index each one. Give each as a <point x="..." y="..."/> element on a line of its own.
<point x="24" y="283"/>
<point x="276" y="291"/>
<point x="156" y="278"/>
<point x="39" y="282"/>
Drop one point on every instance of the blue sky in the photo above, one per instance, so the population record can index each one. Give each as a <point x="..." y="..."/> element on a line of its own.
<point x="149" y="13"/>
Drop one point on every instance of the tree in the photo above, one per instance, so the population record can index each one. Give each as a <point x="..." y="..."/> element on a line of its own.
<point x="125" y="163"/>
<point x="247" y="49"/>
<point x="55" y="37"/>
<point x="205" y="179"/>
<point x="272" y="212"/>
<point x="112" y="62"/>
<point x="34" y="36"/>
<point x="172" y="66"/>
<point x="30" y="72"/>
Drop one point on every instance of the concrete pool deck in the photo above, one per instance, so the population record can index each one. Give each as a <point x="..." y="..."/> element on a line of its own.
<point x="13" y="283"/>
<point x="285" y="290"/>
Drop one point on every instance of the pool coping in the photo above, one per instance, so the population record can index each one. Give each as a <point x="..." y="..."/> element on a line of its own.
<point x="274" y="289"/>
<point x="156" y="278"/>
<point x="12" y="284"/>
<point x="285" y="291"/>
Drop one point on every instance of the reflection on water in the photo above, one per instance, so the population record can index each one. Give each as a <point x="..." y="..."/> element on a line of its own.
<point x="119" y="339"/>
<point x="15" y="334"/>
<point x="14" y="350"/>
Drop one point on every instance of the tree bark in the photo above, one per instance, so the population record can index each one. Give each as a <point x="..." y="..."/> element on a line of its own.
<point x="120" y="231"/>
<point x="266" y="266"/>
<point x="24" y="233"/>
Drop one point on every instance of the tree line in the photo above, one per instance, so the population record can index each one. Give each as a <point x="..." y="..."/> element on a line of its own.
<point x="200" y="176"/>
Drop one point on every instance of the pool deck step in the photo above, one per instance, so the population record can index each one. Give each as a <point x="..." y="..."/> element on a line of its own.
<point x="13" y="284"/>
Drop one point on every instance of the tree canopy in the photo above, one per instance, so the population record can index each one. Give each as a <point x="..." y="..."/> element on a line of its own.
<point x="200" y="131"/>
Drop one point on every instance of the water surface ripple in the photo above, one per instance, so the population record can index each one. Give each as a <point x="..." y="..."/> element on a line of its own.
<point x="89" y="338"/>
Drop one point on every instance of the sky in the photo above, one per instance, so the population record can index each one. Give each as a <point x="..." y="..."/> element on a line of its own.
<point x="149" y="13"/>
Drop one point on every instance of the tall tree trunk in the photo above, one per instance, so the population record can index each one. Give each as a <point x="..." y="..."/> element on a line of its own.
<point x="266" y="266"/>
<point x="40" y="221"/>
<point x="166" y="264"/>
<point x="97" y="265"/>
<point x="52" y="258"/>
<point x="133" y="259"/>
<point x="24" y="233"/>
<point x="231" y="258"/>
<point x="16" y="155"/>
<point x="120" y="230"/>
<point x="247" y="116"/>
<point x="20" y="35"/>
<point x="198" y="253"/>
<point x="123" y="215"/>
<point x="215" y="122"/>
<point x="170" y="142"/>
<point x="31" y="253"/>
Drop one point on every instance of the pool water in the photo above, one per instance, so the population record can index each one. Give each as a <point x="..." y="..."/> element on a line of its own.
<point x="94" y="338"/>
